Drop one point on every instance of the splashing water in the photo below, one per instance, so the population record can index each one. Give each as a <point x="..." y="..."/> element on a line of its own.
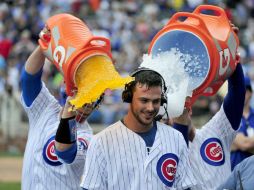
<point x="93" y="77"/>
<point x="182" y="74"/>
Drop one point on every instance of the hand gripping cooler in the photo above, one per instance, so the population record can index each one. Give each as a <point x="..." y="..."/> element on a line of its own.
<point x="208" y="39"/>
<point x="70" y="44"/>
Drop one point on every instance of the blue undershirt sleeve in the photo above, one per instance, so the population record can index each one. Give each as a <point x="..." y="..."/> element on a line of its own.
<point x="234" y="101"/>
<point x="67" y="155"/>
<point x="30" y="85"/>
<point x="183" y="129"/>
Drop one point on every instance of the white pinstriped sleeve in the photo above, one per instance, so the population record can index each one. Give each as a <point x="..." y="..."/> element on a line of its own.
<point x="184" y="176"/>
<point x="44" y="101"/>
<point x="95" y="177"/>
<point x="84" y="135"/>
<point x="220" y="126"/>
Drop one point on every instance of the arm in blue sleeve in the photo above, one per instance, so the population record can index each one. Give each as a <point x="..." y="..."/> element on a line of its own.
<point x="31" y="86"/>
<point x="234" y="101"/>
<point x="183" y="129"/>
<point x="68" y="155"/>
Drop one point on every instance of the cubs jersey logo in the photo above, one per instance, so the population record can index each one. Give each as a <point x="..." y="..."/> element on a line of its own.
<point x="82" y="144"/>
<point x="212" y="152"/>
<point x="48" y="153"/>
<point x="166" y="168"/>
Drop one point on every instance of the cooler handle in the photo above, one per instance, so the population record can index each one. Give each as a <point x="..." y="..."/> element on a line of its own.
<point x="175" y="17"/>
<point x="95" y="41"/>
<point x="216" y="9"/>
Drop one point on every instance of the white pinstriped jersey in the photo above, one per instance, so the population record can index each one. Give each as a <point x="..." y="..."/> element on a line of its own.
<point x="210" y="152"/>
<point x="41" y="167"/>
<point x="117" y="159"/>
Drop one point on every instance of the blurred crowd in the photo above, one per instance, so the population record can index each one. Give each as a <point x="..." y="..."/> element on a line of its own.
<point x="130" y="25"/>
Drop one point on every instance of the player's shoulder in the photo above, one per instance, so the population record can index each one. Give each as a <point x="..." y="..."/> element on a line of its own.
<point x="218" y="121"/>
<point x="171" y="136"/>
<point x="114" y="128"/>
<point x="43" y="98"/>
<point x="169" y="131"/>
<point x="167" y="128"/>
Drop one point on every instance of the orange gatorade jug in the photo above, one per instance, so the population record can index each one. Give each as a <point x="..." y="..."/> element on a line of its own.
<point x="80" y="56"/>
<point x="208" y="46"/>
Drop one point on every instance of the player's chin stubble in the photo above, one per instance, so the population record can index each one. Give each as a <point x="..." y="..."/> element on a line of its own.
<point x="145" y="123"/>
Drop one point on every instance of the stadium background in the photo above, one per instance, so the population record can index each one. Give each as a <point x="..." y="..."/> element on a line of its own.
<point x="130" y="25"/>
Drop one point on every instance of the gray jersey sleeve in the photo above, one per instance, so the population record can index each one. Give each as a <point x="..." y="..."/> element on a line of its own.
<point x="230" y="183"/>
<point x="241" y="177"/>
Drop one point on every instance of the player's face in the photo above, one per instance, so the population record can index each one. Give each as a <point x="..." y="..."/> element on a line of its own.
<point x="145" y="103"/>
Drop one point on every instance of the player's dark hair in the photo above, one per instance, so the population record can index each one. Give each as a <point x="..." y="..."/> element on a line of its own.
<point x="148" y="78"/>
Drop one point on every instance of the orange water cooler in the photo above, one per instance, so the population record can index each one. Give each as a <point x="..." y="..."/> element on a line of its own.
<point x="70" y="44"/>
<point x="205" y="35"/>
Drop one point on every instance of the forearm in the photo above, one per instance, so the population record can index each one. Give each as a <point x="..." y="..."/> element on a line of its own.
<point x="246" y="145"/>
<point x="65" y="140"/>
<point x="183" y="124"/>
<point x="31" y="77"/>
<point x="66" y="131"/>
<point x="35" y="61"/>
<point x="65" y="134"/>
<point x="68" y="154"/>
<point x="234" y="100"/>
<point x="62" y="146"/>
<point x="243" y="143"/>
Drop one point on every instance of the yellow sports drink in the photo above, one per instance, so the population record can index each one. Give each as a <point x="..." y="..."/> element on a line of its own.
<point x="84" y="60"/>
<point x="208" y="38"/>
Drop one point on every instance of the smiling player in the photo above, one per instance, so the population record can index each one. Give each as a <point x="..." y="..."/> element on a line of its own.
<point x="138" y="152"/>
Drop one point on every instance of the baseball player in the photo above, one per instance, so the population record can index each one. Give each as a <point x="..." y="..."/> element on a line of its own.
<point x="41" y="167"/>
<point x="209" y="146"/>
<point x="137" y="152"/>
<point x="243" y="144"/>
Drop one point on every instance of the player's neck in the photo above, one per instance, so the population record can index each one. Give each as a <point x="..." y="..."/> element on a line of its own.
<point x="133" y="124"/>
<point x="191" y="134"/>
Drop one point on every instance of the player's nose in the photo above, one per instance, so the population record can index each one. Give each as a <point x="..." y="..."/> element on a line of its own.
<point x="150" y="107"/>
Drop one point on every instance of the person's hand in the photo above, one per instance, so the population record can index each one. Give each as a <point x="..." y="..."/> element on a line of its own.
<point x="83" y="113"/>
<point x="185" y="118"/>
<point x="67" y="109"/>
<point x="45" y="36"/>
<point x="234" y="28"/>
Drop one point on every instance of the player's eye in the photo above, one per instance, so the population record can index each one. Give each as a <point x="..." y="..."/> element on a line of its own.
<point x="143" y="100"/>
<point x="157" y="101"/>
